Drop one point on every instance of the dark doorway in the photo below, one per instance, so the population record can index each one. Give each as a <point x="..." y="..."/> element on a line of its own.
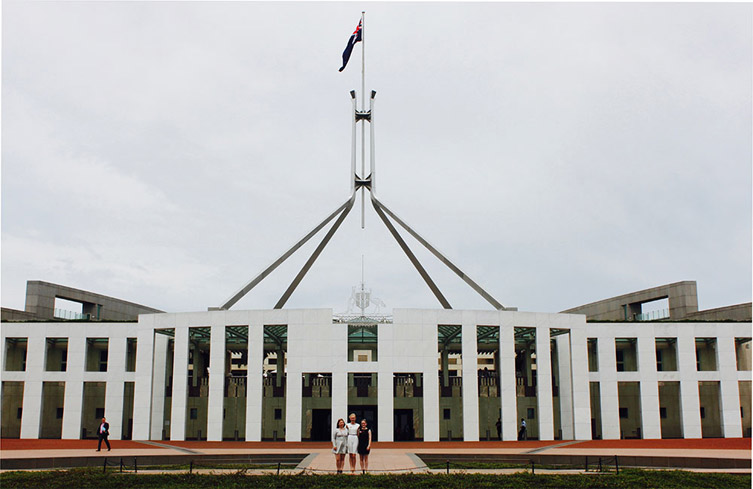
<point x="128" y="435"/>
<point x="369" y="413"/>
<point x="321" y="425"/>
<point x="404" y="425"/>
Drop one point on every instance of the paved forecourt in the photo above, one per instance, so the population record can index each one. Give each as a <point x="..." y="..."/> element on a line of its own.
<point x="727" y="454"/>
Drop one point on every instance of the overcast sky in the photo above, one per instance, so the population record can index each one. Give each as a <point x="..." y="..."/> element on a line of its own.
<point x="166" y="152"/>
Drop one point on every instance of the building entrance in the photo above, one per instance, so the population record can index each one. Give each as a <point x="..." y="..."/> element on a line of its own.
<point x="321" y="424"/>
<point x="404" y="425"/>
<point x="369" y="413"/>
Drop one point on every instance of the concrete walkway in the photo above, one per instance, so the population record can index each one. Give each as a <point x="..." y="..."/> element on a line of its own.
<point x="727" y="455"/>
<point x="380" y="461"/>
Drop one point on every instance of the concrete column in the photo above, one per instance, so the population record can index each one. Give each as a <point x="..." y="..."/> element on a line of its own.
<point x="216" y="399"/>
<point x="280" y="367"/>
<point x="508" y="384"/>
<point x="40" y="300"/>
<point x="142" y="394"/>
<point x="610" y="399"/>
<point x="729" y="388"/>
<point x="74" y="388"/>
<point x="32" y="409"/>
<point x="649" y="387"/>
<point x="580" y="388"/>
<point x="565" y="386"/>
<point x="254" y="381"/>
<point x="114" y="385"/>
<point x="386" y="407"/>
<point x="3" y="345"/>
<point x="431" y="405"/>
<point x="544" y="383"/>
<point x="180" y="385"/>
<point x="158" y="389"/>
<point x="470" y="382"/>
<point x="293" y="404"/>
<point x="340" y="395"/>
<point x="445" y="362"/>
<point x="32" y="401"/>
<point x="690" y="404"/>
<point x="431" y="385"/>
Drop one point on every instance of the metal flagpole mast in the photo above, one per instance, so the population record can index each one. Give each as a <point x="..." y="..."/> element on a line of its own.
<point x="363" y="302"/>
<point x="363" y="109"/>
<point x="362" y="182"/>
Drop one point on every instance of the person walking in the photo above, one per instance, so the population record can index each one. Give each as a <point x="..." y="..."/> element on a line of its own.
<point x="352" y="427"/>
<point x="522" y="432"/>
<point x="364" y="445"/>
<point x="102" y="433"/>
<point x="499" y="428"/>
<point x="340" y="444"/>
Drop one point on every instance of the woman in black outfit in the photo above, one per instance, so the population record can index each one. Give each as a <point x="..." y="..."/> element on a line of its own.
<point x="364" y="445"/>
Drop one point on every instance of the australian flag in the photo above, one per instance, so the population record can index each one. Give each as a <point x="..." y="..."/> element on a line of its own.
<point x="354" y="38"/>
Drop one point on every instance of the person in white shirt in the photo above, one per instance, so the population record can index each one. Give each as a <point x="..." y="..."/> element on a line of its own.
<point x="522" y="432"/>
<point x="352" y="427"/>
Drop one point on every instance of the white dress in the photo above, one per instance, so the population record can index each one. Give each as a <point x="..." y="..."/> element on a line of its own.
<point x="352" y="437"/>
<point x="340" y="440"/>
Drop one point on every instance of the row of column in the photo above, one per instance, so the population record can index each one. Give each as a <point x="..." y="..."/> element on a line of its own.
<point x="149" y="395"/>
<point x="649" y="378"/>
<point x="575" y="410"/>
<point x="574" y="393"/>
<point x="74" y="378"/>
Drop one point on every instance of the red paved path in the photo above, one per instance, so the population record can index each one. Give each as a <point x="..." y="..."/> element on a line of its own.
<point x="702" y="444"/>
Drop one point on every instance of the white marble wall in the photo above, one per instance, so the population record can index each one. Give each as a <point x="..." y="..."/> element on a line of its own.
<point x="254" y="388"/>
<point x="565" y="386"/>
<point x="581" y="403"/>
<point x="407" y="345"/>
<point x="216" y="401"/>
<point x="145" y="382"/>
<point x="507" y="389"/>
<point x="649" y="385"/>
<point x="470" y="378"/>
<point x="159" y="381"/>
<point x="74" y="376"/>
<point x="686" y="373"/>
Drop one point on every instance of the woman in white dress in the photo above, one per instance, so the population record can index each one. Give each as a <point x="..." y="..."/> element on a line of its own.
<point x="340" y="444"/>
<point x="352" y="441"/>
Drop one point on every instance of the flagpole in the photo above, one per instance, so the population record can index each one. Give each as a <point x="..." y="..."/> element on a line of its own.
<point x="363" y="60"/>
<point x="363" y="109"/>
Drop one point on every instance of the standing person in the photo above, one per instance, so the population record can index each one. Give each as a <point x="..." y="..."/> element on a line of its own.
<point x="364" y="445"/>
<point x="103" y="432"/>
<point x="352" y="427"/>
<point x="340" y="444"/>
<point x="522" y="432"/>
<point x="499" y="428"/>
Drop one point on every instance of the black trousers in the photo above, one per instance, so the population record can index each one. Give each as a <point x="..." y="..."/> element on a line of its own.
<point x="107" y="442"/>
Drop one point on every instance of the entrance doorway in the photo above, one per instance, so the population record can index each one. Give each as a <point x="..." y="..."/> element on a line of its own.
<point x="321" y="424"/>
<point x="404" y="425"/>
<point x="369" y="413"/>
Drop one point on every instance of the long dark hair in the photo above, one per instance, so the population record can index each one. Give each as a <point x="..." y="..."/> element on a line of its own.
<point x="338" y="423"/>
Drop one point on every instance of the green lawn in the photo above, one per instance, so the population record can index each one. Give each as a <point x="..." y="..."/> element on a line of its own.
<point x="94" y="478"/>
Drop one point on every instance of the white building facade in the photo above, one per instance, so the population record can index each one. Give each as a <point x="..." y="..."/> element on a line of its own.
<point x="422" y="375"/>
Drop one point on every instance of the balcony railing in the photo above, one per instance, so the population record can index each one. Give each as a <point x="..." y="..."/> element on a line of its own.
<point x="653" y="315"/>
<point x="65" y="314"/>
<point x="406" y="387"/>
<point x="454" y="387"/>
<point x="318" y="387"/>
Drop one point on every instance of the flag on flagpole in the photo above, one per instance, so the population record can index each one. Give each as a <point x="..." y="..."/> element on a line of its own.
<point x="354" y="38"/>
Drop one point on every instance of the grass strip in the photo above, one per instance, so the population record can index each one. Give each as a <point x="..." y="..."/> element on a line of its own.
<point x="629" y="478"/>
